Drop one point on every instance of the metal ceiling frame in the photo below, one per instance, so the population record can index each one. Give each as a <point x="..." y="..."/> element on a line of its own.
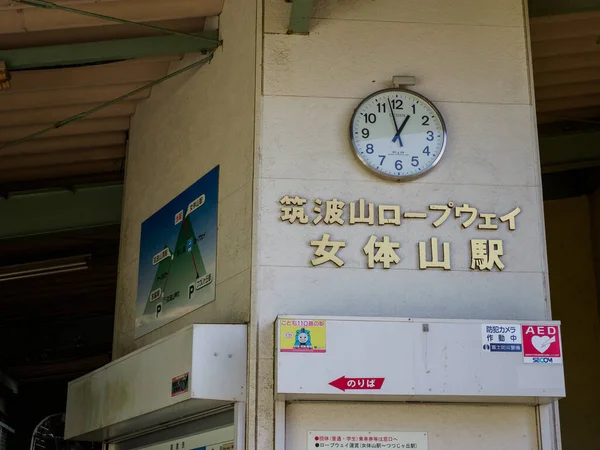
<point x="176" y="42"/>
<point x="583" y="151"/>
<point x="85" y="207"/>
<point x="85" y="114"/>
<point x="103" y="51"/>
<point x="49" y="5"/>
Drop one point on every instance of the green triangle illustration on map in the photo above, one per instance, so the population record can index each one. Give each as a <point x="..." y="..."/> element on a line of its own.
<point x="175" y="273"/>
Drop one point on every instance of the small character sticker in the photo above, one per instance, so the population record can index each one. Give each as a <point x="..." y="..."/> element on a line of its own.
<point x="302" y="335"/>
<point x="303" y="339"/>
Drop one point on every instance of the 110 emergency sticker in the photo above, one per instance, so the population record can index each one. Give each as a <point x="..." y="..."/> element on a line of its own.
<point x="302" y="335"/>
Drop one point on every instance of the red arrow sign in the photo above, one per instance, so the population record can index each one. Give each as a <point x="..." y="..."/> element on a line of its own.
<point x="353" y="384"/>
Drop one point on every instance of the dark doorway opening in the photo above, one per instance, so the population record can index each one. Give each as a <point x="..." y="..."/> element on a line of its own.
<point x="54" y="327"/>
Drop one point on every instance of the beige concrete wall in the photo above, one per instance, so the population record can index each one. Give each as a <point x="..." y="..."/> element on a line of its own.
<point x="470" y="57"/>
<point x="449" y="427"/>
<point x="574" y="303"/>
<point x="476" y="72"/>
<point x="189" y="125"/>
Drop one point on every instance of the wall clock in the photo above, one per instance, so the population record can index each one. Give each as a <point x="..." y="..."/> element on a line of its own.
<point x="398" y="134"/>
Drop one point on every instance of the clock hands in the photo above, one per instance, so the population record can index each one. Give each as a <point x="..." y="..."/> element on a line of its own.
<point x="395" y="124"/>
<point x="397" y="136"/>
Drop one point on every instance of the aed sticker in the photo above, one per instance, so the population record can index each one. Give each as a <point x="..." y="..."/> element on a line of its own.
<point x="501" y="337"/>
<point x="302" y="335"/>
<point x="541" y="344"/>
<point x="180" y="384"/>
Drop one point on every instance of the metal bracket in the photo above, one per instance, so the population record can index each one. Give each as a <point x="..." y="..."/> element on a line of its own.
<point x="399" y="81"/>
<point x="300" y="16"/>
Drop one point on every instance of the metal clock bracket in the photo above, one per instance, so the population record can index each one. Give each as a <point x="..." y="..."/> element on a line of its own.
<point x="399" y="81"/>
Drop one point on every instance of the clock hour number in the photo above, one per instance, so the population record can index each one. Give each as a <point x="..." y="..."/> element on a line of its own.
<point x="365" y="133"/>
<point x="381" y="107"/>
<point x="382" y="159"/>
<point x="370" y="117"/>
<point x="414" y="161"/>
<point x="396" y="104"/>
<point x="425" y="121"/>
<point x="426" y="150"/>
<point x="414" y="109"/>
<point x="398" y="165"/>
<point x="430" y="135"/>
<point x="370" y="148"/>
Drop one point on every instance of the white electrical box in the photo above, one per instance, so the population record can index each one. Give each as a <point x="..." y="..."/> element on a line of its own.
<point x="200" y="368"/>
<point x="423" y="360"/>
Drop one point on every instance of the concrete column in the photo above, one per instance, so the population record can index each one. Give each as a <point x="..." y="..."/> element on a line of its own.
<point x="190" y="124"/>
<point x="471" y="59"/>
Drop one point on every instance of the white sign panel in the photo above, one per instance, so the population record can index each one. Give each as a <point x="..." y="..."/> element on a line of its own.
<point x="367" y="440"/>
<point x="194" y="205"/>
<point x="163" y="254"/>
<point x="501" y="337"/>
<point x="357" y="360"/>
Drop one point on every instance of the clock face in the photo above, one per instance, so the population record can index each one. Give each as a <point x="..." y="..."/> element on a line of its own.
<point x="398" y="134"/>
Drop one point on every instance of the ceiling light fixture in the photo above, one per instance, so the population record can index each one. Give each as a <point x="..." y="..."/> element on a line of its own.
<point x="43" y="268"/>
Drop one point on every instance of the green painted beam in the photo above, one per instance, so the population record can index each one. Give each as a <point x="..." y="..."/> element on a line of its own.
<point x="53" y="211"/>
<point x="300" y="16"/>
<point x="570" y="151"/>
<point x="113" y="50"/>
<point x="539" y="8"/>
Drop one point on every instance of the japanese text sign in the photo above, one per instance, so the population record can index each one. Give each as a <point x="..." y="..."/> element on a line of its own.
<point x="501" y="337"/>
<point x="541" y="344"/>
<point x="354" y="384"/>
<point x="382" y="251"/>
<point x="366" y="440"/>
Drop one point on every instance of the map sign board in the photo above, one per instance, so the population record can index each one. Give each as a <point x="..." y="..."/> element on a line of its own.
<point x="178" y="252"/>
